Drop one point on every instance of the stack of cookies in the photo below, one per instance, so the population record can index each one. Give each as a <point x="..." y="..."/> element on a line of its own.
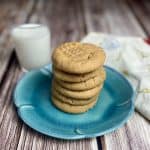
<point x="78" y="76"/>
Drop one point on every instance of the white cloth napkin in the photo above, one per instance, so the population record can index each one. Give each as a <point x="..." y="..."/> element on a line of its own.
<point x="131" y="56"/>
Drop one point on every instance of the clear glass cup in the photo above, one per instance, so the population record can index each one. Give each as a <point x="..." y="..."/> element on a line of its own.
<point x="32" y="44"/>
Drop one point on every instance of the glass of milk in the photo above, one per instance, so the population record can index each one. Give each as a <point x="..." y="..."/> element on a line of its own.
<point x="32" y="44"/>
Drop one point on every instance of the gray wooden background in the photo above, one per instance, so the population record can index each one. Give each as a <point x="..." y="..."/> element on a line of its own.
<point x="69" y="20"/>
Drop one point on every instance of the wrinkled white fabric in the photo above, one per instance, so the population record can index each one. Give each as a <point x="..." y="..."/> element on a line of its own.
<point x="129" y="55"/>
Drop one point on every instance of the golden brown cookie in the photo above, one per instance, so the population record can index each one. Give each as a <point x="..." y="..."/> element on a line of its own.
<point x="86" y="85"/>
<point x="78" y="58"/>
<point x="72" y="101"/>
<point x="77" y="94"/>
<point x="77" y="78"/>
<point x="71" y="108"/>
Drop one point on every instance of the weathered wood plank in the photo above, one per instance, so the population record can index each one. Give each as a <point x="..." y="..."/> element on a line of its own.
<point x="106" y="16"/>
<point x="30" y="139"/>
<point x="67" y="23"/>
<point x="134" y="135"/>
<point x="141" y="9"/>
<point x="115" y="17"/>
<point x="10" y="125"/>
<point x="12" y="13"/>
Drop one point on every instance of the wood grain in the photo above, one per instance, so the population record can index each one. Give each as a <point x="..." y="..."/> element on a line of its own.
<point x="68" y="21"/>
<point x="30" y="139"/>
<point x="10" y="125"/>
<point x="141" y="10"/>
<point x="134" y="135"/>
<point x="12" y="13"/>
<point x="111" y="17"/>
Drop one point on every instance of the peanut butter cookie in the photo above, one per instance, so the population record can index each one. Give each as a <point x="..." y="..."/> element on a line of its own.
<point x="77" y="78"/>
<point x="77" y="94"/>
<point x="78" y="58"/>
<point x="86" y="85"/>
<point x="72" y="101"/>
<point x="72" y="108"/>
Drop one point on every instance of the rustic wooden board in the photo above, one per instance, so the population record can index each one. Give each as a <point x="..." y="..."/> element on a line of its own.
<point x="111" y="17"/>
<point x="10" y="125"/>
<point x="134" y="135"/>
<point x="12" y="13"/>
<point x="117" y="18"/>
<point x="30" y="139"/>
<point x="68" y="20"/>
<point x="141" y="10"/>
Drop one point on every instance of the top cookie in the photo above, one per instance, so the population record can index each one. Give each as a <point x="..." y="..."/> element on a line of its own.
<point x="75" y="57"/>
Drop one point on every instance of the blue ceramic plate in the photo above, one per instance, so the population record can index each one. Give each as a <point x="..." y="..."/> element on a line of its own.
<point x="32" y="98"/>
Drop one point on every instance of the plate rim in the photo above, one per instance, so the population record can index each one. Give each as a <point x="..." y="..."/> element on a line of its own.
<point x="77" y="136"/>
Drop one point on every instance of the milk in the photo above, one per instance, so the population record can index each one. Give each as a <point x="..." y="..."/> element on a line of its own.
<point x="32" y="44"/>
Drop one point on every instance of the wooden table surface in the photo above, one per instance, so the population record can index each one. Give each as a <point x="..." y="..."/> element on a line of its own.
<point x="68" y="20"/>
